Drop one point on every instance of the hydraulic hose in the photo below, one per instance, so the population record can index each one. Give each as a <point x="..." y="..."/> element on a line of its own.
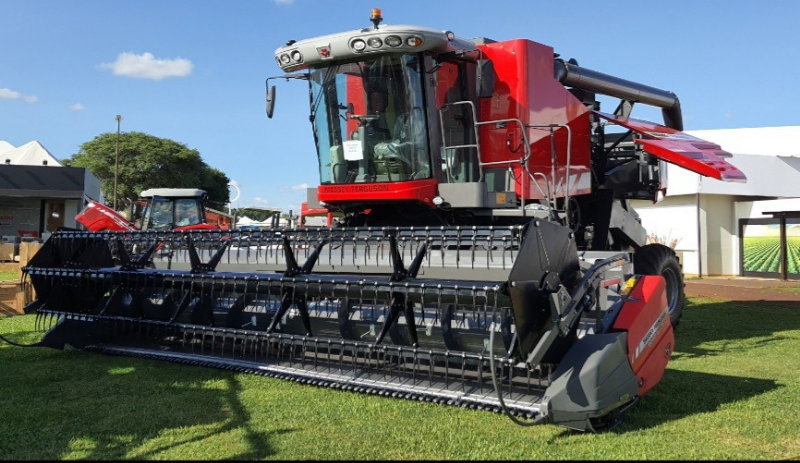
<point x="540" y="418"/>
<point x="36" y="344"/>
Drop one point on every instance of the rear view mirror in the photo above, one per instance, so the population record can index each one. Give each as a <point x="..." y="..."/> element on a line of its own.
<point x="270" y="101"/>
<point x="271" y="90"/>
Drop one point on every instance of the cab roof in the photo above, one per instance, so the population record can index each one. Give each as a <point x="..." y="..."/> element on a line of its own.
<point x="173" y="193"/>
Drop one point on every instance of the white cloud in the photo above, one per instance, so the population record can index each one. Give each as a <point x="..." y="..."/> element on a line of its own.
<point x="260" y="201"/>
<point x="729" y="115"/>
<point x="8" y="94"/>
<point x="146" y="66"/>
<point x="301" y="186"/>
<point x="77" y="107"/>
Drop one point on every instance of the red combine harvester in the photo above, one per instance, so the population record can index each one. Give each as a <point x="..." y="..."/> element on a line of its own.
<point x="179" y="209"/>
<point x="486" y="254"/>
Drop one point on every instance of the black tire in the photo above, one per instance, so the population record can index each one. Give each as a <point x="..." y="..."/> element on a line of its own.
<point x="657" y="259"/>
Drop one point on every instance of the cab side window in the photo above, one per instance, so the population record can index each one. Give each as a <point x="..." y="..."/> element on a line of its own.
<point x="186" y="213"/>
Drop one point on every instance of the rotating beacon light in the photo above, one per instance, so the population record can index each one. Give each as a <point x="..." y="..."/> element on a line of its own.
<point x="376" y="17"/>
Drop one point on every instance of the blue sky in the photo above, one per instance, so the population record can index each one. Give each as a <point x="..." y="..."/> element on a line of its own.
<point x="194" y="70"/>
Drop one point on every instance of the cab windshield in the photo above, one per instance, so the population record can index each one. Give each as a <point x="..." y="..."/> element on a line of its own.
<point x="369" y="122"/>
<point x="166" y="213"/>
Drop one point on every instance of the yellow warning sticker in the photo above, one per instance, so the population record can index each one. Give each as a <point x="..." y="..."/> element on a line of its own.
<point x="628" y="286"/>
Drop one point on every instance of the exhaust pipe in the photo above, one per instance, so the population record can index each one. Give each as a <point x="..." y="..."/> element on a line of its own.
<point x="572" y="75"/>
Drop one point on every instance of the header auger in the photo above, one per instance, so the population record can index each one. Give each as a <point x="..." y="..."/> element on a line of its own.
<point x="486" y="254"/>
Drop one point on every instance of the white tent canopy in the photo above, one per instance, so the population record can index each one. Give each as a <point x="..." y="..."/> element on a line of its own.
<point x="5" y="146"/>
<point x="29" y="154"/>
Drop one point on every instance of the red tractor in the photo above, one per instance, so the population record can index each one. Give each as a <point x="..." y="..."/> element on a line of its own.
<point x="160" y="209"/>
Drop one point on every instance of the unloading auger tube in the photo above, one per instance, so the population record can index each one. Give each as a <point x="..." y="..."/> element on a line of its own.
<point x="375" y="310"/>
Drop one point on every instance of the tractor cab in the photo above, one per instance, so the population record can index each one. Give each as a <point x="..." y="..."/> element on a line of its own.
<point x="172" y="208"/>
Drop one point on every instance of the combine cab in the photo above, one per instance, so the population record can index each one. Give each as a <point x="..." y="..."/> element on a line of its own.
<point x="486" y="254"/>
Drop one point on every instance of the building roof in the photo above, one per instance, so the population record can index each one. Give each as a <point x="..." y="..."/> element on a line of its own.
<point x="29" y="154"/>
<point x="42" y="181"/>
<point x="768" y="156"/>
<point x="761" y="141"/>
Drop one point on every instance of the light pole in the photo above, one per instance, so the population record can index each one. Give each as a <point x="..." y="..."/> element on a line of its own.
<point x="116" y="163"/>
<point x="235" y="185"/>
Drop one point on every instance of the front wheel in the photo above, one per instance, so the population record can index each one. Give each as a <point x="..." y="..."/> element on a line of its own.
<point x="657" y="259"/>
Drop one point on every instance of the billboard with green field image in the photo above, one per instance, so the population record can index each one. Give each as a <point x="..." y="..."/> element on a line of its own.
<point x="793" y="246"/>
<point x="762" y="254"/>
<point x="761" y="248"/>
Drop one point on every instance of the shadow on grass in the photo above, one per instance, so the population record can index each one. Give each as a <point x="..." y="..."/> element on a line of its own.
<point x="103" y="407"/>
<point x="681" y="394"/>
<point x="708" y="320"/>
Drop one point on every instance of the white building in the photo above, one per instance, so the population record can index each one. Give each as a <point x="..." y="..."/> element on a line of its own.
<point x="708" y="218"/>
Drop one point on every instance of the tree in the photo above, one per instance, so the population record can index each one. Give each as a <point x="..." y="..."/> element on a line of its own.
<point x="256" y="214"/>
<point x="146" y="162"/>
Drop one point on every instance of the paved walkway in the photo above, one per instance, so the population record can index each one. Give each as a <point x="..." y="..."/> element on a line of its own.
<point x="744" y="289"/>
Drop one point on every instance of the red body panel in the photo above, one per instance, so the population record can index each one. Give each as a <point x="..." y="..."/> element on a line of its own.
<point x="422" y="191"/>
<point x="306" y="212"/>
<point x="651" y="341"/>
<point x="526" y="89"/>
<point x="97" y="217"/>
<point x="198" y="226"/>
<point x="355" y="93"/>
<point x="700" y="156"/>
<point x="217" y="220"/>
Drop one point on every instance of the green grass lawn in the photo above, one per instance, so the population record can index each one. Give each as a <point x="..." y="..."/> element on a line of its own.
<point x="732" y="391"/>
<point x="9" y="276"/>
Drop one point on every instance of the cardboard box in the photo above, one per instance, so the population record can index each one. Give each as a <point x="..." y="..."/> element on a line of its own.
<point x="27" y="251"/>
<point x="8" y="251"/>
<point x="12" y="298"/>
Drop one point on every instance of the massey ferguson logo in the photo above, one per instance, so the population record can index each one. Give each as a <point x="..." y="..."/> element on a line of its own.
<point x="345" y="189"/>
<point x="650" y="336"/>
<point x="324" y="52"/>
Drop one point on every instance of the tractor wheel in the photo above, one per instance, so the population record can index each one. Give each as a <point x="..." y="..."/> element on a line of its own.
<point x="657" y="259"/>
